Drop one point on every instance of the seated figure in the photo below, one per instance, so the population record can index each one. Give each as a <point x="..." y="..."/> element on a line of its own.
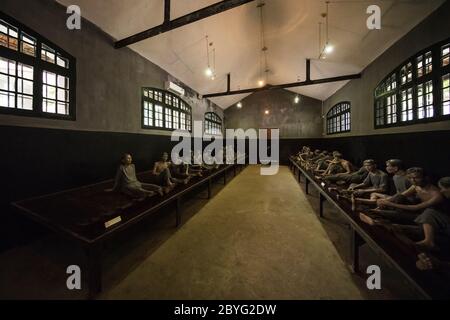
<point x="401" y="183"/>
<point x="162" y="174"/>
<point x="375" y="182"/>
<point x="304" y="149"/>
<point x="310" y="162"/>
<point x="423" y="204"/>
<point x="127" y="182"/>
<point x="316" y="155"/>
<point x="435" y="221"/>
<point x="196" y="167"/>
<point x="230" y="155"/>
<point x="304" y="156"/>
<point x="323" y="162"/>
<point x="337" y="165"/>
<point x="210" y="162"/>
<point x="347" y="178"/>
<point x="181" y="172"/>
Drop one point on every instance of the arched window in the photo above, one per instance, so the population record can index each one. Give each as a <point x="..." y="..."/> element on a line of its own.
<point x="339" y="118"/>
<point x="417" y="91"/>
<point x="164" y="110"/>
<point x="213" y="123"/>
<point x="37" y="78"/>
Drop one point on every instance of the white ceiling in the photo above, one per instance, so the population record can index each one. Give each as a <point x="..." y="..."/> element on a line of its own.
<point x="292" y="35"/>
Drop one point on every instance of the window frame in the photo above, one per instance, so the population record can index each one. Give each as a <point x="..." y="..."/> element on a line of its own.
<point x="39" y="66"/>
<point x="434" y="76"/>
<point x="170" y="101"/>
<point x="333" y="116"/>
<point x="215" y="120"/>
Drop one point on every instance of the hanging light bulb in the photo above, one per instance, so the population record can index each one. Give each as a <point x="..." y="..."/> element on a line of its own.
<point x="261" y="83"/>
<point x="329" y="48"/>
<point x="296" y="99"/>
<point x="208" y="72"/>
<point x="267" y="112"/>
<point x="239" y="105"/>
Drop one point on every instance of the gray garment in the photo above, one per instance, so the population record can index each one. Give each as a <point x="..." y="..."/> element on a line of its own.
<point x="377" y="180"/>
<point x="164" y="177"/>
<point x="349" y="178"/>
<point x="127" y="182"/>
<point x="440" y="221"/>
<point x="358" y="176"/>
<point x="401" y="183"/>
<point x="126" y="177"/>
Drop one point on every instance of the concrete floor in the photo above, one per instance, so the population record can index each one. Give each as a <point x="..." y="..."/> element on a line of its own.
<point x="257" y="239"/>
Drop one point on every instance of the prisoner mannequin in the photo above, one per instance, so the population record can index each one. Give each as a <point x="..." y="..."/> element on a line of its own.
<point x="337" y="165"/>
<point x="161" y="171"/>
<point x="401" y="183"/>
<point x="402" y="208"/>
<point x="348" y="178"/>
<point x="127" y="182"/>
<point x="435" y="221"/>
<point x="375" y="182"/>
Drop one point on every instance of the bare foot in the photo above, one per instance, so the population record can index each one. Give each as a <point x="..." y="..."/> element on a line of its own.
<point x="426" y="245"/>
<point x="369" y="220"/>
<point x="166" y="190"/>
<point x="426" y="262"/>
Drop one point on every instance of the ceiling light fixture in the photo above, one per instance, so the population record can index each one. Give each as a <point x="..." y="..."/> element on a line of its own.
<point x="210" y="72"/>
<point x="296" y="99"/>
<point x="328" y="48"/>
<point x="267" y="112"/>
<point x="263" y="79"/>
<point x="239" y="105"/>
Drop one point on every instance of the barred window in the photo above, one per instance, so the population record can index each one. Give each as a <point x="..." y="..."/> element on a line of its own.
<point x="148" y="114"/>
<point x="424" y="64"/>
<point x="213" y="123"/>
<point x="339" y="118"/>
<point x="425" y="100"/>
<point x="164" y="110"/>
<point x="422" y="93"/>
<point x="446" y="94"/>
<point x="407" y="105"/>
<point x="36" y="77"/>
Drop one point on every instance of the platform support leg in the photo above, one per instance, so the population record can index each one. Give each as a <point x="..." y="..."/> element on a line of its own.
<point x="356" y="243"/>
<point x="178" y="212"/>
<point x="321" y="201"/>
<point x="94" y="269"/>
